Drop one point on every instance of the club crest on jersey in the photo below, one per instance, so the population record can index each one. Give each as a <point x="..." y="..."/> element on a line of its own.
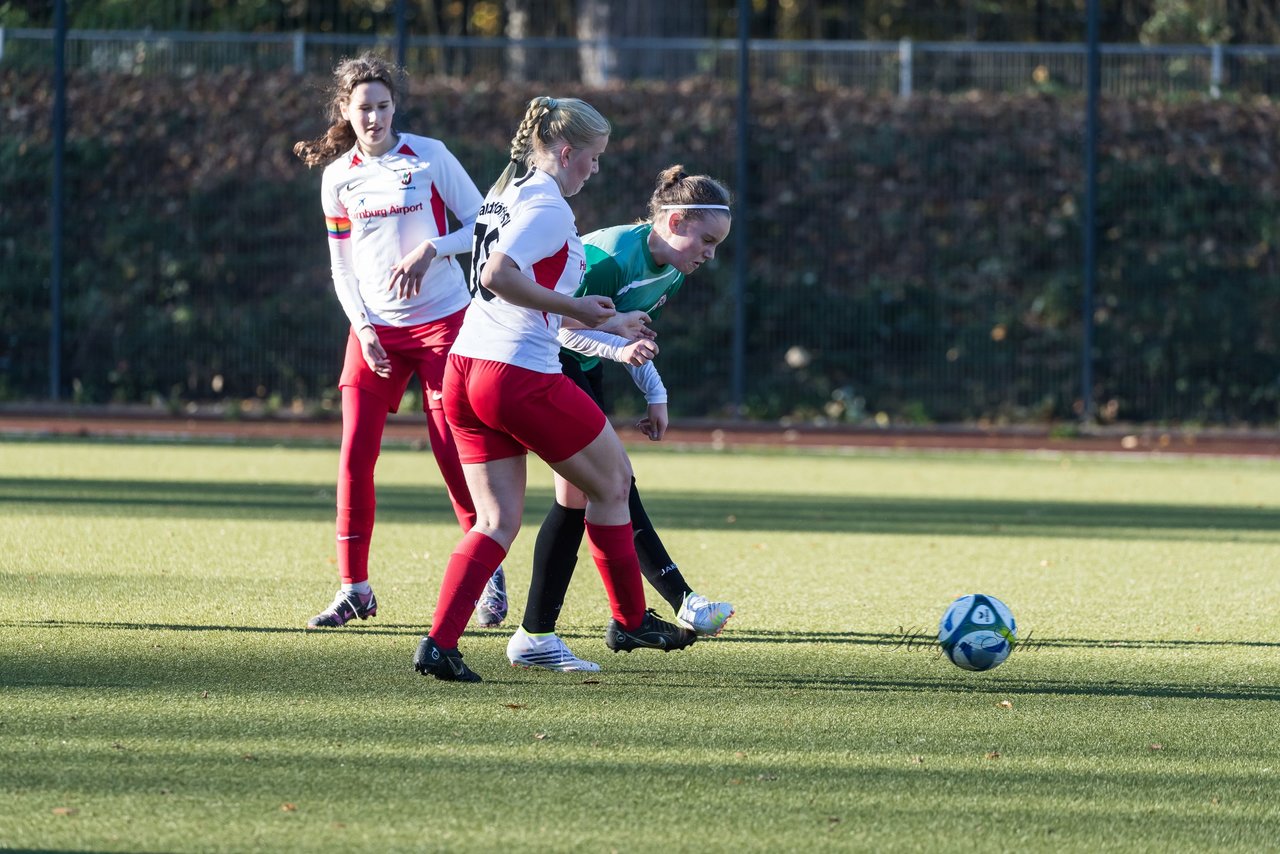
<point x="662" y="300"/>
<point x="406" y="178"/>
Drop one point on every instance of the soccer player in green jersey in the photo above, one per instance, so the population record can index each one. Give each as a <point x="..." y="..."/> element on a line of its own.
<point x="640" y="267"/>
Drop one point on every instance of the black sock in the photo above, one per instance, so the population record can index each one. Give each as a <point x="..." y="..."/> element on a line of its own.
<point x="554" y="556"/>
<point x="658" y="567"/>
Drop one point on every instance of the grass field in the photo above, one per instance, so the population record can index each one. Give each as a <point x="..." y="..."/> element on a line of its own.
<point x="157" y="692"/>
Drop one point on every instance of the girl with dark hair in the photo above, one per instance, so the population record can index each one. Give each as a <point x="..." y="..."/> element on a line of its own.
<point x="386" y="197"/>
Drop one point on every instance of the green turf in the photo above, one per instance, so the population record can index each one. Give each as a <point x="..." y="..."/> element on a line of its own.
<point x="157" y="693"/>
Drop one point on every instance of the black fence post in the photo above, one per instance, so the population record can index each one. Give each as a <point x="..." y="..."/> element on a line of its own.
<point x="740" y="266"/>
<point x="1093" y="84"/>
<point x="56" y="203"/>
<point x="402" y="34"/>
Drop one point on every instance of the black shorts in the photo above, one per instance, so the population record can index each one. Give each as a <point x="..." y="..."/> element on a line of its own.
<point x="591" y="381"/>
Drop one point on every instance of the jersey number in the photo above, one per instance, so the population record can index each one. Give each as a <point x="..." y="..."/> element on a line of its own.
<point x="484" y="240"/>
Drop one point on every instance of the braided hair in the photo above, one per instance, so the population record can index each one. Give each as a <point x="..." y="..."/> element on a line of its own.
<point x="545" y="121"/>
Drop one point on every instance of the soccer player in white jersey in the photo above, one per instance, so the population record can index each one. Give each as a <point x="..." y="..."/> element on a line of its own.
<point x="386" y="197"/>
<point x="640" y="267"/>
<point x="505" y="394"/>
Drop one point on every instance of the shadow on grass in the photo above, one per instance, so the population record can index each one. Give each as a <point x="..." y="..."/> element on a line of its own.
<point x="908" y="640"/>
<point x="704" y="511"/>
<point x="980" y="683"/>
<point x="382" y="629"/>
<point x="296" y="667"/>
<point x="914" y="639"/>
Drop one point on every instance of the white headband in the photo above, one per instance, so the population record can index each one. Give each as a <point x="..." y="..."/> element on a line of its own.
<point x="695" y="207"/>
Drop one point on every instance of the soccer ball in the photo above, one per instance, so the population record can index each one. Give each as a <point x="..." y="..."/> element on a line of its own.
<point x="977" y="632"/>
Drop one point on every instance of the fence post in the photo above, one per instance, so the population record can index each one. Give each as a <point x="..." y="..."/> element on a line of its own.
<point x="1215" y="72"/>
<point x="402" y="34"/>
<point x="58" y="195"/>
<point x="1093" y="85"/>
<point x="299" y="52"/>
<point x="738" y="364"/>
<point x="906" y="55"/>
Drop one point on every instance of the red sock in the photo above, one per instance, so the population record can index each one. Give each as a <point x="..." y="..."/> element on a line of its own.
<point x="446" y="454"/>
<point x="614" y="552"/>
<point x="470" y="566"/>
<point x="363" y="418"/>
<point x="355" y="531"/>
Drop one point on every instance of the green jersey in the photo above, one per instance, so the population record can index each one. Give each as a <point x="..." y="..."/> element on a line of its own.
<point x="620" y="266"/>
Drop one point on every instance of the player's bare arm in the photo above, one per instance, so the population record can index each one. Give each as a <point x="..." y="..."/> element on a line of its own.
<point x="630" y="325"/>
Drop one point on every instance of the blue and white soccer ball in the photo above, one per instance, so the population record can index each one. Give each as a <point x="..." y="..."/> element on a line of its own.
<point x="977" y="632"/>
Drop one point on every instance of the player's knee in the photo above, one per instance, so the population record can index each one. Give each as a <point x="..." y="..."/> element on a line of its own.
<point x="615" y="488"/>
<point x="499" y="529"/>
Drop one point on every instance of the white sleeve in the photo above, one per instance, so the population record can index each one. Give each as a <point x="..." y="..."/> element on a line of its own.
<point x="647" y="379"/>
<point x="537" y="230"/>
<point x="457" y="242"/>
<point x="462" y="198"/>
<point x="345" y="283"/>
<point x="592" y="342"/>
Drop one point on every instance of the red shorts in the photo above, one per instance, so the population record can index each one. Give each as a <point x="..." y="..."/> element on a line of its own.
<point x="422" y="349"/>
<point x="496" y="410"/>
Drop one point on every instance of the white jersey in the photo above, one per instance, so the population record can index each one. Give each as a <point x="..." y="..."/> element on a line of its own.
<point x="532" y="224"/>
<point x="378" y="209"/>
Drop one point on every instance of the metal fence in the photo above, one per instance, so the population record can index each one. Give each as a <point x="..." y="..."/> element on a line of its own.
<point x="907" y="302"/>
<point x="904" y="67"/>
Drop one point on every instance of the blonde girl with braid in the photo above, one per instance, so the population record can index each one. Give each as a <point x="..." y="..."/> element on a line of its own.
<point x="386" y="195"/>
<point x="505" y="394"/>
<point x="640" y="267"/>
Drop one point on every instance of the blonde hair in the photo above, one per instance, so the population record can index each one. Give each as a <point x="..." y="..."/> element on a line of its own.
<point x="350" y="73"/>
<point x="545" y="121"/>
<point x="677" y="188"/>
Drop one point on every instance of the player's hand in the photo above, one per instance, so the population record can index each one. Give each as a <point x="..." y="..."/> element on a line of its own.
<point x="638" y="352"/>
<point x="408" y="272"/>
<point x="374" y="356"/>
<point x="654" y="425"/>
<point x="592" y="310"/>
<point x="629" y="325"/>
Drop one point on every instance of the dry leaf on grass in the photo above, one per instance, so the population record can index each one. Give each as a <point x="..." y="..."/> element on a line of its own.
<point x="288" y="808"/>
<point x="65" y="810"/>
<point x="1005" y="704"/>
<point x="994" y="754"/>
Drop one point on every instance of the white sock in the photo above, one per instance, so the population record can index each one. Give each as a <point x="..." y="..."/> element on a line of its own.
<point x="361" y="587"/>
